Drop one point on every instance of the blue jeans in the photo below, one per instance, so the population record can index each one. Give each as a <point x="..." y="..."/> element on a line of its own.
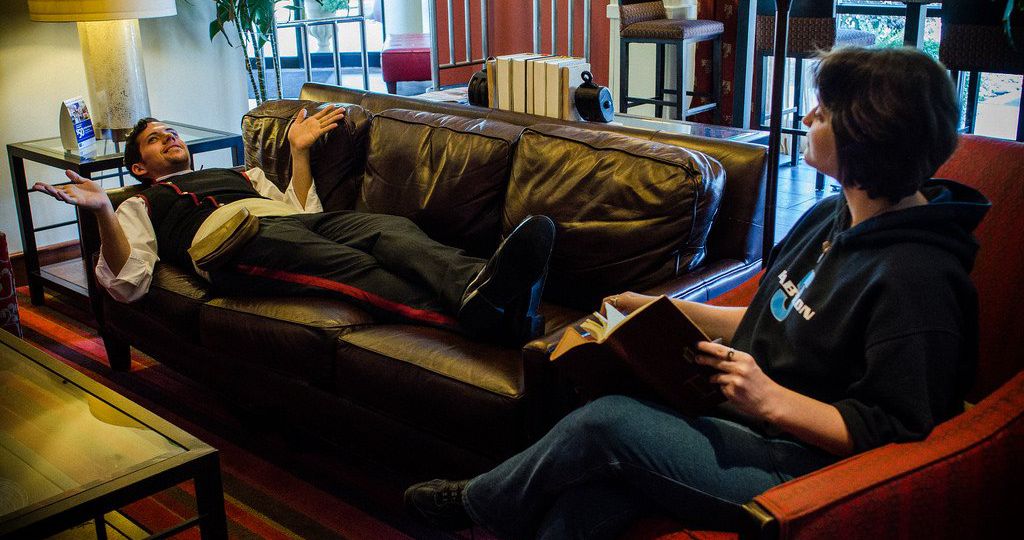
<point x="607" y="462"/>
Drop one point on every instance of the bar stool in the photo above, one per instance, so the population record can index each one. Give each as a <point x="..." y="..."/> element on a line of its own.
<point x="973" y="41"/>
<point x="812" y="28"/>
<point x="647" y="22"/>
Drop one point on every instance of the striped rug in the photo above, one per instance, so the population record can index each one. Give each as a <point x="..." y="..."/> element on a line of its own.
<point x="276" y="484"/>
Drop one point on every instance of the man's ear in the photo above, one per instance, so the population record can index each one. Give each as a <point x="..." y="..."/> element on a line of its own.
<point x="138" y="169"/>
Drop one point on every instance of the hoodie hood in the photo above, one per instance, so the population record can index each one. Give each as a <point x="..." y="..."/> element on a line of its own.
<point x="947" y="222"/>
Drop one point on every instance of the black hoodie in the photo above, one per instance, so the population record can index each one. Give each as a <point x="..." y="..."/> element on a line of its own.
<point x="880" y="320"/>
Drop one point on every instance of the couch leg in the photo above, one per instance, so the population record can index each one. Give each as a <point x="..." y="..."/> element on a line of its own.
<point x="119" y="353"/>
<point x="392" y="87"/>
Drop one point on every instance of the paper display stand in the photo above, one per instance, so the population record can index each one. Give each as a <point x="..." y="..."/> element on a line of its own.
<point x="76" y="131"/>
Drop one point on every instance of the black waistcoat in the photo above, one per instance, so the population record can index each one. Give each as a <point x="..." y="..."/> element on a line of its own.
<point x="179" y="205"/>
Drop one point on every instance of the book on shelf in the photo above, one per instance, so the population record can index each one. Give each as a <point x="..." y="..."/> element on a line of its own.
<point x="503" y="78"/>
<point x="537" y="104"/>
<point x="519" y="80"/>
<point x="492" y="76"/>
<point x="648" y="353"/>
<point x="553" y="86"/>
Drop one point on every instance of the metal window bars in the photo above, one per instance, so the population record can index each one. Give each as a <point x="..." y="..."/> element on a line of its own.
<point x="303" y="25"/>
<point x="468" y="31"/>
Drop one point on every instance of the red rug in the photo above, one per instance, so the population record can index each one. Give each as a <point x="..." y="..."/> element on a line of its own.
<point x="276" y="485"/>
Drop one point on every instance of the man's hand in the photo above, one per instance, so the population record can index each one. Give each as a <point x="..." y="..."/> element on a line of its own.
<point x="304" y="130"/>
<point x="81" y="192"/>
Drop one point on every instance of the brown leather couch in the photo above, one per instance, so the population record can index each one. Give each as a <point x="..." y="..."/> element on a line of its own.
<point x="427" y="400"/>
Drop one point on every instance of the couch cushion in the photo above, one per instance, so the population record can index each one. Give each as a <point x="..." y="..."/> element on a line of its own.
<point x="458" y="389"/>
<point x="294" y="335"/>
<point x="336" y="159"/>
<point x="173" y="302"/>
<point x="630" y="213"/>
<point x="446" y="173"/>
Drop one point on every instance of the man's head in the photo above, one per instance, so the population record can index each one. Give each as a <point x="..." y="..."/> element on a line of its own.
<point x="154" y="149"/>
<point x="893" y="114"/>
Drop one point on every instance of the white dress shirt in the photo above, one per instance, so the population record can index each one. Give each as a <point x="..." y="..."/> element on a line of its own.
<point x="133" y="281"/>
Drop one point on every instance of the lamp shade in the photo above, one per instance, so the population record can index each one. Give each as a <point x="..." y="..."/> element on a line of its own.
<point x="98" y="10"/>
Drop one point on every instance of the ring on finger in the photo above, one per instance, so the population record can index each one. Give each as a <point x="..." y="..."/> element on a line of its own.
<point x="730" y="354"/>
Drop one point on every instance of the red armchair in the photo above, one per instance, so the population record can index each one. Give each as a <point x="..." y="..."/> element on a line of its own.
<point x="966" y="480"/>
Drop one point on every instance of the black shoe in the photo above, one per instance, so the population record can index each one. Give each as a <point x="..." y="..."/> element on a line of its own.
<point x="439" y="502"/>
<point x="501" y="302"/>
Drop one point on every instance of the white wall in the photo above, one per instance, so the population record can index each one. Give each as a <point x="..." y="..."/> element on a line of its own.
<point x="190" y="79"/>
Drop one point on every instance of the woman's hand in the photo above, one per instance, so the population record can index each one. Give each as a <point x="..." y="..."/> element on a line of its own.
<point x="626" y="302"/>
<point x="304" y="130"/>
<point x="82" y="193"/>
<point x="741" y="379"/>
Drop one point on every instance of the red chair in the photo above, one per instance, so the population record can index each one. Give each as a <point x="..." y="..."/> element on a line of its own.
<point x="8" y="297"/>
<point x="965" y="480"/>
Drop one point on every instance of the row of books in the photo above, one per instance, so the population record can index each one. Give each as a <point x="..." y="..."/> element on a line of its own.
<point x="535" y="84"/>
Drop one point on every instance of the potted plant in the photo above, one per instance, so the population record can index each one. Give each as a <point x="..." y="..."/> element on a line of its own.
<point x="253" y="23"/>
<point x="319" y="9"/>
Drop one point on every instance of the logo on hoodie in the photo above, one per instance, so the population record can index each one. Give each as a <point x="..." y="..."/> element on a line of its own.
<point x="787" y="298"/>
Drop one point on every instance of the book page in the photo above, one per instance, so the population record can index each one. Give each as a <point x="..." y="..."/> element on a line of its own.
<point x="614" y="316"/>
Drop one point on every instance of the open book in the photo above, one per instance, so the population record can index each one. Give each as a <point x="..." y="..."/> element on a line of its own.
<point x="648" y="353"/>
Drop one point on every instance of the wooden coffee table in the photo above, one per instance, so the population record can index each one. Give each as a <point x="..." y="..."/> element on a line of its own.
<point x="72" y="450"/>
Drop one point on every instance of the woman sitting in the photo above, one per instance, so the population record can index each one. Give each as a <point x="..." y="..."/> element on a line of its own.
<point x="863" y="332"/>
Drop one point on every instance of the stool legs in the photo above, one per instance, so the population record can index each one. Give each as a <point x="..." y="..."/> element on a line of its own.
<point x="659" y="79"/>
<point x="1020" y="119"/>
<point x="680" y="82"/>
<point x="679" y="92"/>
<point x="798" y="83"/>
<point x="623" y="76"/>
<point x="973" y="87"/>
<point x="716" y="78"/>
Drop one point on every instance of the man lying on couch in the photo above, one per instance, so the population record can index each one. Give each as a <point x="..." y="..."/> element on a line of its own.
<point x="384" y="263"/>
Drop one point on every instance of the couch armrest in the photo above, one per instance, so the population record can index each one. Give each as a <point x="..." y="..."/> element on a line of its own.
<point x="89" y="235"/>
<point x="963" y="481"/>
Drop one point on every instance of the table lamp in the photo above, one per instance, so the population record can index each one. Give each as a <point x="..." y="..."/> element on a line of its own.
<point x="112" y="52"/>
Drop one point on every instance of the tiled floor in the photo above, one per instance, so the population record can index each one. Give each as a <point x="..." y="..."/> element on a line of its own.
<point x="796" y="194"/>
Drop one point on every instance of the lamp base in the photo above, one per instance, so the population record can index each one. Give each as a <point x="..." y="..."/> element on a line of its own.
<point x="112" y="52"/>
<point x="115" y="134"/>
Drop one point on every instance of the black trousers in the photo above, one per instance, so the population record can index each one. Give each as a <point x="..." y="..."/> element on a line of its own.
<point x="384" y="263"/>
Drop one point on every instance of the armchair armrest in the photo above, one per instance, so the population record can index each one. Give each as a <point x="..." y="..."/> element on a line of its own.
<point x="963" y="481"/>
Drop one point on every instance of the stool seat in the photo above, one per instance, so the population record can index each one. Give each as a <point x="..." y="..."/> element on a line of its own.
<point x="405" y="57"/>
<point x="809" y="35"/>
<point x="856" y="38"/>
<point x="974" y="41"/>
<point x="977" y="47"/>
<point x="647" y="22"/>
<point x="676" y="29"/>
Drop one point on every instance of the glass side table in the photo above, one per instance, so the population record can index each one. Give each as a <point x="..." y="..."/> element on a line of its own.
<point x="72" y="450"/>
<point x="688" y="128"/>
<point x="72" y="277"/>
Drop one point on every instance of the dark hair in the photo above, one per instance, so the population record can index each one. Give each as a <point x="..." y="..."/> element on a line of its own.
<point x="893" y="114"/>
<point x="132" y="154"/>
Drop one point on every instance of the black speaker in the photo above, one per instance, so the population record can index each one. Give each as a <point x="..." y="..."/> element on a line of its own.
<point x="593" y="102"/>
<point x="478" y="88"/>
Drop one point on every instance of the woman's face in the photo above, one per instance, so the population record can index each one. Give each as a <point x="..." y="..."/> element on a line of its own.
<point x="821" y="142"/>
